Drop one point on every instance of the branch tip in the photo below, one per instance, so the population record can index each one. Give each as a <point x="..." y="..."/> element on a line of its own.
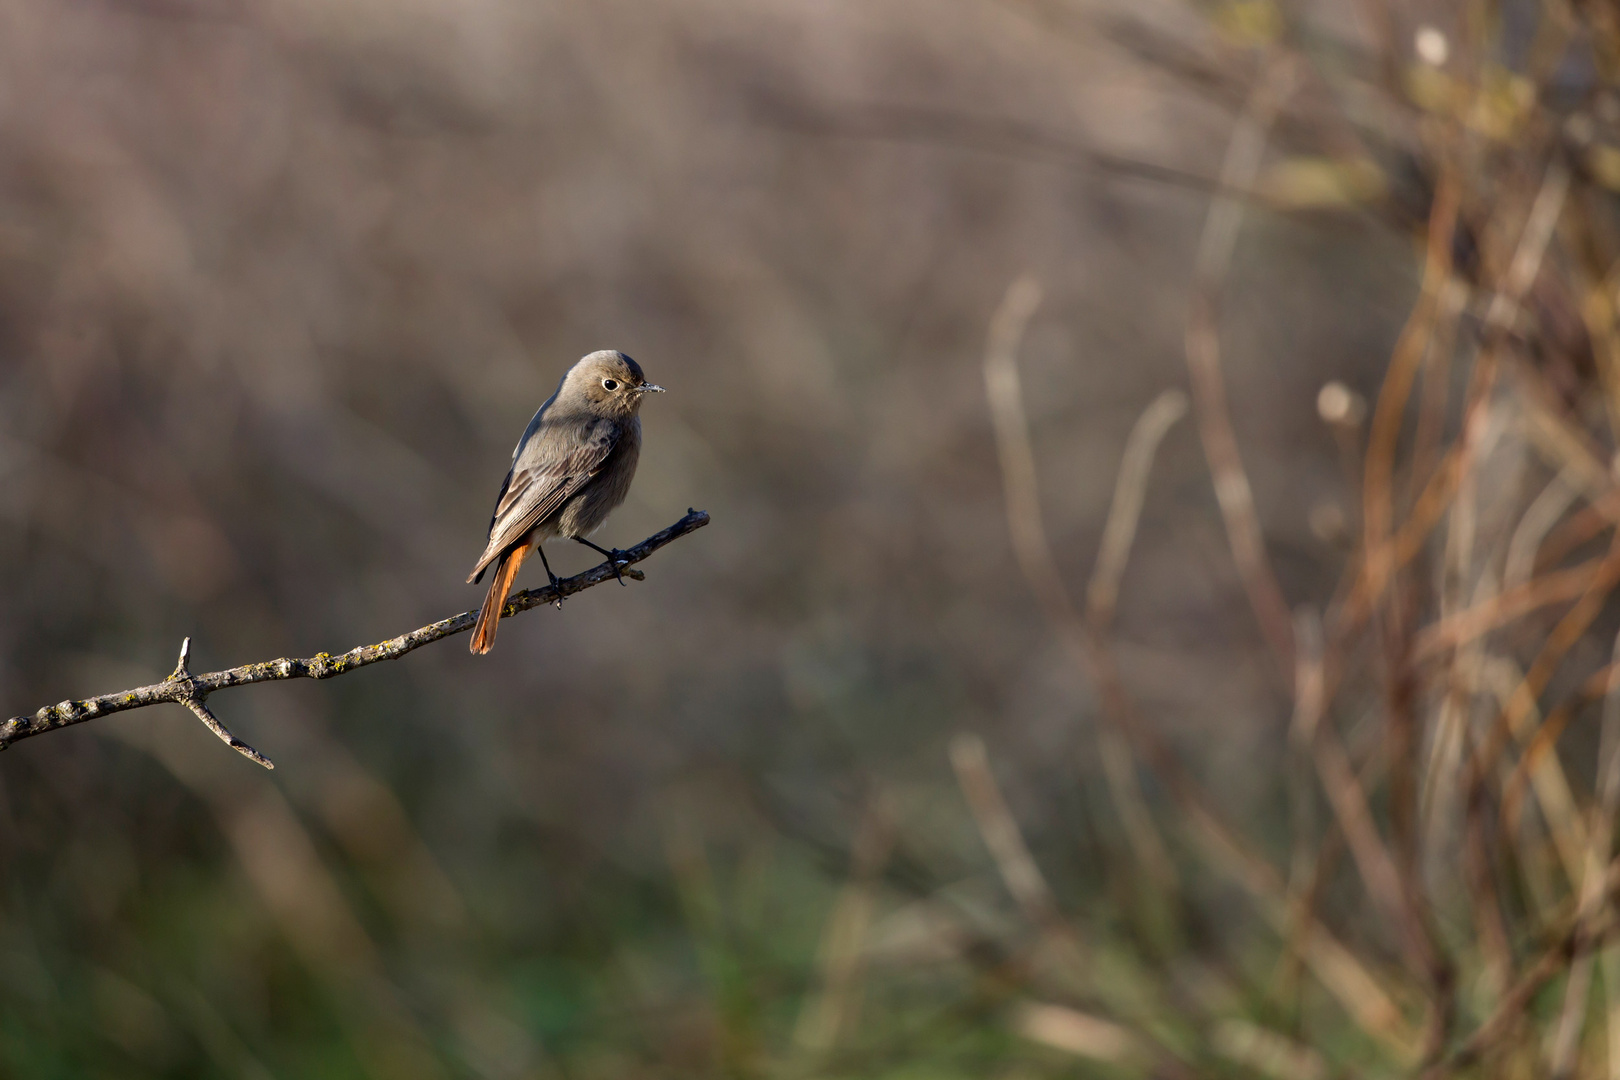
<point x="203" y="713"/>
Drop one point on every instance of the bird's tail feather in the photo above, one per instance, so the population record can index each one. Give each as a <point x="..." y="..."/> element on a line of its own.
<point x="489" y="616"/>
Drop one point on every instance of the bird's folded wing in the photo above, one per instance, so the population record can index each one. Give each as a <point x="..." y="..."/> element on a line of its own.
<point x="534" y="490"/>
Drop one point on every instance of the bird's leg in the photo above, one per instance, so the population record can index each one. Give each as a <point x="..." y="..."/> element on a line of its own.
<point x="615" y="557"/>
<point x="556" y="582"/>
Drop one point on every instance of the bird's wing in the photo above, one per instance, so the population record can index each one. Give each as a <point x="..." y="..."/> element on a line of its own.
<point x="542" y="478"/>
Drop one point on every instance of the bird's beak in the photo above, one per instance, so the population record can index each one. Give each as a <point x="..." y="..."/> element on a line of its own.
<point x="649" y="388"/>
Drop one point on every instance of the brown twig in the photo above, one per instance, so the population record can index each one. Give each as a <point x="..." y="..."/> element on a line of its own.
<point x="183" y="688"/>
<point x="1102" y="593"/>
<point x="1588" y="930"/>
<point x="1581" y="527"/>
<point x="1557" y="587"/>
<point x="1232" y="489"/>
<point x="1034" y="550"/>
<point x="1102" y="596"/>
<point x="1005" y="839"/>
<point x="1379" y="473"/>
<point x="1338" y="968"/>
<point x="1518" y="705"/>
<point x="1597" y="685"/>
<point x="1434" y="396"/>
<point x="1378" y="567"/>
<point x="1538" y="519"/>
<point x="1600" y="836"/>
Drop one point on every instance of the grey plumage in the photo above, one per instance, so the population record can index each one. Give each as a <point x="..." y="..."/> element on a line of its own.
<point x="570" y="469"/>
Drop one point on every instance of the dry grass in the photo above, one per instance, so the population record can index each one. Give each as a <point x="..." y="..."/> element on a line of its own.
<point x="1464" y="602"/>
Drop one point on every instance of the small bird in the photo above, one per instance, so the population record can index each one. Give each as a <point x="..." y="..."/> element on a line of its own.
<point x="570" y="469"/>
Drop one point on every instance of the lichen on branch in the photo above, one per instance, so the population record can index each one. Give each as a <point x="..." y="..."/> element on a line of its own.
<point x="184" y="688"/>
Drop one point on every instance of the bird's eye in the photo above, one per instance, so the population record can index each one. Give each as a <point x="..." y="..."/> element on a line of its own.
<point x="610" y="384"/>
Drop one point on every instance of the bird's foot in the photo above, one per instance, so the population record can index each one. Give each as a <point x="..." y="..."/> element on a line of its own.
<point x="616" y="560"/>
<point x="556" y="583"/>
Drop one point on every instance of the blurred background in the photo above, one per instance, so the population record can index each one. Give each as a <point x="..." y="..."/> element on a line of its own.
<point x="835" y="791"/>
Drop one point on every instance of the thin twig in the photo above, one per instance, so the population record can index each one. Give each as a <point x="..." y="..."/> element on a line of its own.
<point x="1588" y="930"/>
<point x="1557" y="587"/>
<point x="1020" y="488"/>
<point x="1378" y="477"/>
<point x="1581" y="527"/>
<point x="1308" y="707"/>
<point x="1366" y="1001"/>
<point x="1005" y="840"/>
<point x="1565" y="446"/>
<point x="1544" y="773"/>
<point x="1524" y="549"/>
<point x="1435" y="394"/>
<point x="203" y="713"/>
<point x="1130" y="488"/>
<point x="1545" y="738"/>
<point x="1034" y="551"/>
<point x="183" y="688"/>
<point x="1518" y="705"/>
<point x="194" y="702"/>
<point x="1373" y="574"/>
<point x="1102" y="596"/>
<point x="1232" y="489"/>
<point x="1379" y="871"/>
<point x="1601" y="837"/>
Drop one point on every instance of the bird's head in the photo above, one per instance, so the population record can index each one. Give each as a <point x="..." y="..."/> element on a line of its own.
<point x="611" y="382"/>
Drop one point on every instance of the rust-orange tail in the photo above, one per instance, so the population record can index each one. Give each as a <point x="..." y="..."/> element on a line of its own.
<point x="489" y="616"/>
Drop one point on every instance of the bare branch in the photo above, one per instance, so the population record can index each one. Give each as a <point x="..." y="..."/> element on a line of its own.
<point x="192" y="700"/>
<point x="192" y="691"/>
<point x="202" y="713"/>
<point x="1232" y="490"/>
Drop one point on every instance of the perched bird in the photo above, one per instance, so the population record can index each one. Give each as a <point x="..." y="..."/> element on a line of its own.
<point x="570" y="469"/>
